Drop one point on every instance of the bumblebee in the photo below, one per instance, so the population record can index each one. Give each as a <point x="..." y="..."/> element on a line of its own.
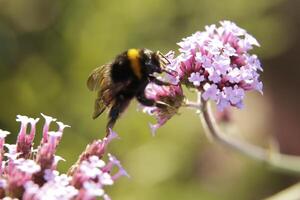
<point x="119" y="81"/>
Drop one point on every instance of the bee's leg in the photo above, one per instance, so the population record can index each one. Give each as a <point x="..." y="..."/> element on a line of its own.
<point x="115" y="112"/>
<point x="99" y="107"/>
<point x="159" y="82"/>
<point x="150" y="102"/>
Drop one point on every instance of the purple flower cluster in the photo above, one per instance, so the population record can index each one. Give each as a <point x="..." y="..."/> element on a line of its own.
<point x="31" y="174"/>
<point x="217" y="63"/>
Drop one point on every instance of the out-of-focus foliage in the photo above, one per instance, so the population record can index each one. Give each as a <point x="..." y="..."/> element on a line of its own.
<point x="49" y="47"/>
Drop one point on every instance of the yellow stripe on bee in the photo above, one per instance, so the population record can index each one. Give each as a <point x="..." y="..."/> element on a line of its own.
<point x="133" y="56"/>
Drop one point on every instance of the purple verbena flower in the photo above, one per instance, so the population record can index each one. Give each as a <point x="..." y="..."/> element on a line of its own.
<point x="196" y="78"/>
<point x="211" y="91"/>
<point x="172" y="96"/>
<point x="3" y="135"/>
<point x="91" y="175"/>
<point x="27" y="166"/>
<point x="92" y="190"/>
<point x="217" y="62"/>
<point x="24" y="142"/>
<point x="31" y="174"/>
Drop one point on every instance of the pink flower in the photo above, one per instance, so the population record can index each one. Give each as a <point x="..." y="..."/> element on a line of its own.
<point x="3" y="135"/>
<point x="28" y="166"/>
<point x="30" y="174"/>
<point x="218" y="64"/>
<point x="196" y="78"/>
<point x="96" y="148"/>
<point x="211" y="92"/>
<point x="93" y="174"/>
<point x="48" y="121"/>
<point x="171" y="96"/>
<point x="24" y="141"/>
<point x="92" y="190"/>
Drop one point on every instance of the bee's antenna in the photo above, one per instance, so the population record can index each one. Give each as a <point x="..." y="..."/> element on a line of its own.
<point x="163" y="58"/>
<point x="165" y="62"/>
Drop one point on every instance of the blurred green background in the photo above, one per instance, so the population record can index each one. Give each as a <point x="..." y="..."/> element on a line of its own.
<point x="49" y="47"/>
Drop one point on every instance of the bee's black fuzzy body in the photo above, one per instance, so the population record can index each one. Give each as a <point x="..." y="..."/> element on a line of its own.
<point x="118" y="82"/>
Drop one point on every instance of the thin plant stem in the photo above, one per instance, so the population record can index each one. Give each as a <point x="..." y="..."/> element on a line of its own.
<point x="292" y="192"/>
<point x="276" y="160"/>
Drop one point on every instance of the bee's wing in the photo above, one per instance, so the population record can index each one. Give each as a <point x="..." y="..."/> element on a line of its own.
<point x="100" y="80"/>
<point x="106" y="98"/>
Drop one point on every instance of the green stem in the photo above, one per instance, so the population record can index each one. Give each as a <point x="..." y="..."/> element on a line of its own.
<point x="278" y="161"/>
<point x="292" y="192"/>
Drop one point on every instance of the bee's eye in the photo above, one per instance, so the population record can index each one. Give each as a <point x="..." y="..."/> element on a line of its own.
<point x="152" y="67"/>
<point x="155" y="59"/>
<point x="151" y="61"/>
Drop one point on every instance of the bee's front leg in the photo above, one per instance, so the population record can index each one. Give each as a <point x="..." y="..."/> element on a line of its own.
<point x="150" y="102"/>
<point x="159" y="82"/>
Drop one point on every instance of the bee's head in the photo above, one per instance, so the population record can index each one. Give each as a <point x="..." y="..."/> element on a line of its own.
<point x="154" y="62"/>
